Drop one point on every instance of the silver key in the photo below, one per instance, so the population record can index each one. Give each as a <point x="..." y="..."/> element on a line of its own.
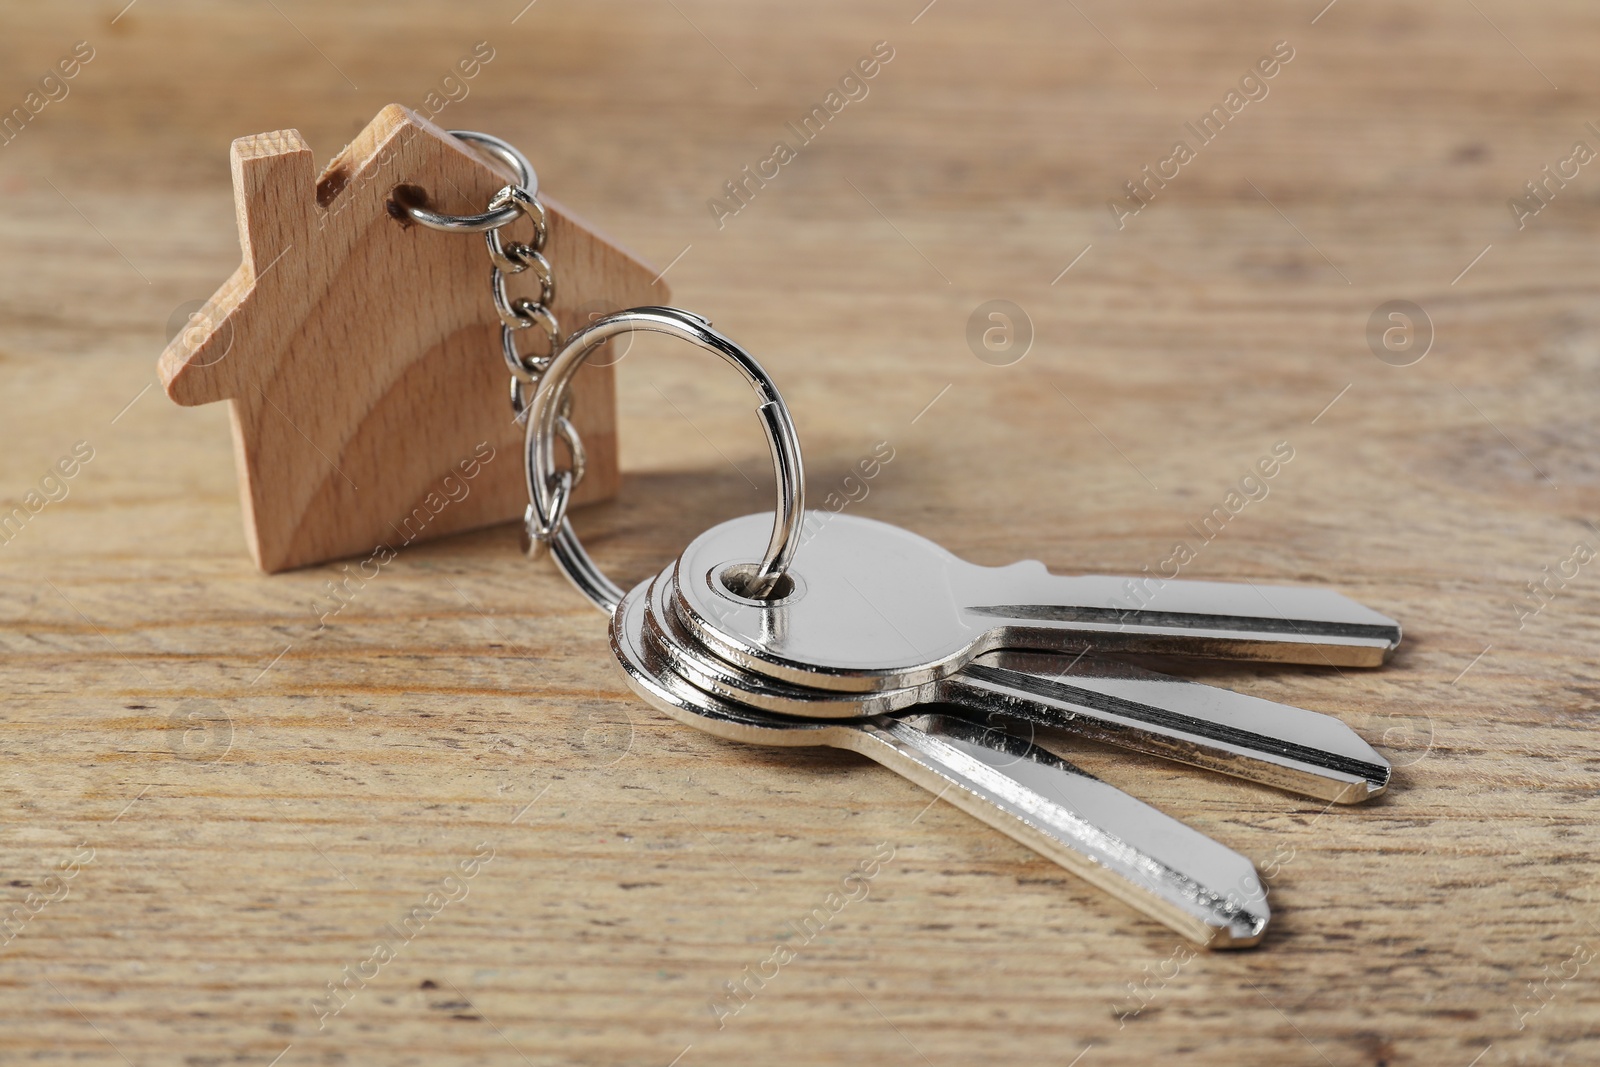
<point x="870" y="606"/>
<point x="1167" y="870"/>
<point x="1276" y="744"/>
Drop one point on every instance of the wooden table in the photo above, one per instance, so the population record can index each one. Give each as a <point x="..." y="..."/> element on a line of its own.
<point x="248" y="806"/>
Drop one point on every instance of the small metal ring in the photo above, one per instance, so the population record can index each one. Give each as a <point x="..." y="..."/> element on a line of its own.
<point x="513" y="258"/>
<point x="502" y="151"/>
<point x="522" y="313"/>
<point x="520" y="257"/>
<point x="519" y="399"/>
<point x="562" y="486"/>
<point x="503" y="306"/>
<point x="523" y="368"/>
<point x="535" y="538"/>
<point x="544" y="415"/>
<point x="527" y="204"/>
<point x="519" y="407"/>
<point x="580" y="457"/>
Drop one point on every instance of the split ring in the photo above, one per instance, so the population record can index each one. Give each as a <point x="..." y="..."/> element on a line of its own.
<point x="508" y="211"/>
<point x="547" y="520"/>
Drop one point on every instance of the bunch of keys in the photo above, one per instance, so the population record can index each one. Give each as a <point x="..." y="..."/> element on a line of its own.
<point x="879" y="641"/>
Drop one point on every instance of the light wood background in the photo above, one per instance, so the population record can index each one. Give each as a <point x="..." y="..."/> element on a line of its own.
<point x="245" y="800"/>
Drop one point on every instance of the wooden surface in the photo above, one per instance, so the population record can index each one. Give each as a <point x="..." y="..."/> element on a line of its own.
<point x="356" y="349"/>
<point x="248" y="800"/>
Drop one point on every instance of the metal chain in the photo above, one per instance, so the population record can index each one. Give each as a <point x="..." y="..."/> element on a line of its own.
<point x="522" y="313"/>
<point x="515" y="201"/>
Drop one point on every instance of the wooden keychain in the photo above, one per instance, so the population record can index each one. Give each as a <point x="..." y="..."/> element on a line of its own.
<point x="353" y="344"/>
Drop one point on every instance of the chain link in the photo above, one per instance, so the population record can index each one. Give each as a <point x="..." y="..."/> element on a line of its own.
<point x="522" y="313"/>
<point x="516" y="201"/>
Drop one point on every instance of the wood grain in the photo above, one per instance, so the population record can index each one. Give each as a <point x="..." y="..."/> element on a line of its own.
<point x="353" y="347"/>
<point x="267" y="787"/>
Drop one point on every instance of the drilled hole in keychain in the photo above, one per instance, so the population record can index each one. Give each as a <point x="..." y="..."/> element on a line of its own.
<point x="735" y="580"/>
<point x="402" y="197"/>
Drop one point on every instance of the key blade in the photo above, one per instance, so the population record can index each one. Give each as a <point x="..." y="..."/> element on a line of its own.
<point x="1029" y="607"/>
<point x="875" y="607"/>
<point x="1291" y="748"/>
<point x="1166" y="870"/>
<point x="1147" y="859"/>
<point x="1261" y="741"/>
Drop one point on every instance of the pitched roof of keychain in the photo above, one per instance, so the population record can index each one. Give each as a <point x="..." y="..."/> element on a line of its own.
<point x="360" y="351"/>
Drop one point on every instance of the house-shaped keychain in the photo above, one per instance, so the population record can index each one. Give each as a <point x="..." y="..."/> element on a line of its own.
<point x="359" y="351"/>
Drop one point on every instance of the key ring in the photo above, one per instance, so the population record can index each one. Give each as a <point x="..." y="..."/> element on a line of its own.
<point x="549" y="490"/>
<point x="503" y="152"/>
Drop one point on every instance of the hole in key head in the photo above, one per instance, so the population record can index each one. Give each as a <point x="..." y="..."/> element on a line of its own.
<point x="736" y="578"/>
